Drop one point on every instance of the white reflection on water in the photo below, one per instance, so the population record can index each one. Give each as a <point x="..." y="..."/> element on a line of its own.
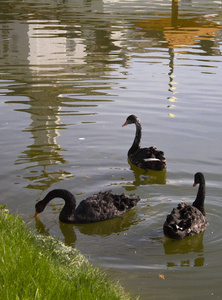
<point x="47" y="48"/>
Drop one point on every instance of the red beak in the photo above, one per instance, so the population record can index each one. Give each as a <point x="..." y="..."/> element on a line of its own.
<point x="195" y="184"/>
<point x="126" y="123"/>
<point x="36" y="214"/>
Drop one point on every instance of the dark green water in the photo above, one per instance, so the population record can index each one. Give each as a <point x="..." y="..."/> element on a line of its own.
<point x="70" y="74"/>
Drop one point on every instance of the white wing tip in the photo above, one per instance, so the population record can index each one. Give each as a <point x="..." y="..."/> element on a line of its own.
<point x="151" y="159"/>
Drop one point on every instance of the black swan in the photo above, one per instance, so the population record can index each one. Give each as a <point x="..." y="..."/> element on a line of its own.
<point x="186" y="220"/>
<point x="99" y="207"/>
<point x="145" y="158"/>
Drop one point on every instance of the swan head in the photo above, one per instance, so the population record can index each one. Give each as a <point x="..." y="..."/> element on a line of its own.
<point x="132" y="119"/>
<point x="198" y="178"/>
<point x="39" y="207"/>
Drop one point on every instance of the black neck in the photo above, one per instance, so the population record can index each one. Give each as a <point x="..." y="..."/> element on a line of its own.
<point x="199" y="201"/>
<point x="136" y="143"/>
<point x="68" y="197"/>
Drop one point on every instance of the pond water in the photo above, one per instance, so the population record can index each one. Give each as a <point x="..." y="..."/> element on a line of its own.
<point x="70" y="74"/>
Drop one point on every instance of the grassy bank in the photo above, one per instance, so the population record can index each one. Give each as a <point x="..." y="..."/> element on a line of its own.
<point x="37" y="267"/>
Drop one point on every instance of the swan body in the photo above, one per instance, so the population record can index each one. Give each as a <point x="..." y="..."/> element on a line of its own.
<point x="99" y="207"/>
<point x="145" y="158"/>
<point x="186" y="220"/>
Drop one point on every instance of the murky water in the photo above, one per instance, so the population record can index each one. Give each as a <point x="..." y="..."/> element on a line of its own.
<point x="70" y="74"/>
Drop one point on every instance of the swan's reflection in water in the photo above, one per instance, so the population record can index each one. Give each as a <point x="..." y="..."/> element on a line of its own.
<point x="103" y="228"/>
<point x="106" y="228"/>
<point x="185" y="246"/>
<point x="66" y="229"/>
<point x="68" y="233"/>
<point x="145" y="177"/>
<point x="41" y="228"/>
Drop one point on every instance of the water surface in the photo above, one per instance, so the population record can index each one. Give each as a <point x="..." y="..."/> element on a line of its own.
<point x="70" y="74"/>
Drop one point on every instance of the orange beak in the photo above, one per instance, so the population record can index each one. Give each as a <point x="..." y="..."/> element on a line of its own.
<point x="36" y="214"/>
<point x="126" y="123"/>
<point x="195" y="184"/>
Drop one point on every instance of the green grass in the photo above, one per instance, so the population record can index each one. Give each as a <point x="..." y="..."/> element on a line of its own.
<point x="37" y="267"/>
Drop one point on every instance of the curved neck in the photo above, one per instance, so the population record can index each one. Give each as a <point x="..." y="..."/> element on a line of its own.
<point x="199" y="201"/>
<point x="70" y="201"/>
<point x="136" y="143"/>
